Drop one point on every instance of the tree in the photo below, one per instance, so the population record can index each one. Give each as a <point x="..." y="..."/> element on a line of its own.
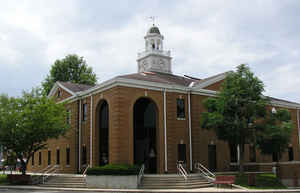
<point x="71" y="68"/>
<point x="238" y="112"/>
<point x="276" y="135"/>
<point x="27" y="122"/>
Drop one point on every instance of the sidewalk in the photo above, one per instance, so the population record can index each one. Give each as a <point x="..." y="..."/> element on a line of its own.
<point x="203" y="190"/>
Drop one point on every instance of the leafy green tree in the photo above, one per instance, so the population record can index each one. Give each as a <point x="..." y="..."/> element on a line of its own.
<point x="27" y="122"/>
<point x="276" y="135"/>
<point x="71" y="68"/>
<point x="239" y="109"/>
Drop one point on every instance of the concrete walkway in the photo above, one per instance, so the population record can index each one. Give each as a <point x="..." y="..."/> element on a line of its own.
<point x="202" y="190"/>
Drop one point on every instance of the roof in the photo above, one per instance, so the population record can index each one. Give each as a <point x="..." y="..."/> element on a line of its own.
<point x="281" y="100"/>
<point x="154" y="30"/>
<point x="74" y="87"/>
<point x="160" y="77"/>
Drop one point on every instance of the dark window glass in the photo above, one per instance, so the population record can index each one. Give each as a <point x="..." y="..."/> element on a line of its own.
<point x="233" y="153"/>
<point x="275" y="157"/>
<point x="49" y="157"/>
<point x="68" y="156"/>
<point x="84" y="159"/>
<point x="32" y="160"/>
<point x="57" y="156"/>
<point x="84" y="117"/>
<point x="180" y="108"/>
<point x="252" y="153"/>
<point x="40" y="158"/>
<point x="69" y="117"/>
<point x="58" y="93"/>
<point x="291" y="154"/>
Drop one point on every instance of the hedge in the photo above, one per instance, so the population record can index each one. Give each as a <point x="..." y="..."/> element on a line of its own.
<point x="114" y="169"/>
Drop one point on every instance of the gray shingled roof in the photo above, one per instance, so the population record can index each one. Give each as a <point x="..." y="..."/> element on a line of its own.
<point x="159" y="77"/>
<point x="74" y="87"/>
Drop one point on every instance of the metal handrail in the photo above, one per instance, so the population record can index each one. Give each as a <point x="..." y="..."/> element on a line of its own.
<point x="49" y="172"/>
<point x="141" y="174"/>
<point x="38" y="179"/>
<point x="85" y="170"/>
<point x="182" y="171"/>
<point x="205" y="172"/>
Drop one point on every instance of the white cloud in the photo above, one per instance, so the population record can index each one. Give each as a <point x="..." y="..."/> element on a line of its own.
<point x="205" y="38"/>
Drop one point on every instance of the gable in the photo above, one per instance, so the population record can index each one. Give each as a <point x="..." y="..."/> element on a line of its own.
<point x="59" y="92"/>
<point x="215" y="86"/>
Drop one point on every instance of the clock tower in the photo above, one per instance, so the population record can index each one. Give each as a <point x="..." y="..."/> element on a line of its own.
<point x="154" y="58"/>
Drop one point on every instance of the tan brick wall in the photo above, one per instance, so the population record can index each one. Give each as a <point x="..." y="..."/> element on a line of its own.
<point x="121" y="101"/>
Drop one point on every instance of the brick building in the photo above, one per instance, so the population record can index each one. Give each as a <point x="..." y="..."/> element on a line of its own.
<point x="150" y="117"/>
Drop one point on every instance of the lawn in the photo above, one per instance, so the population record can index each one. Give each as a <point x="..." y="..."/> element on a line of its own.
<point x="3" y="179"/>
<point x="262" y="181"/>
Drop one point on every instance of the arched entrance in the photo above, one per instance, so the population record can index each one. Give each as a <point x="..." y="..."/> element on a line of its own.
<point x="145" y="134"/>
<point x="103" y="122"/>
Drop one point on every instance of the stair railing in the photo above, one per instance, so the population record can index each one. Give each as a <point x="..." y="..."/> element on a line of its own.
<point x="181" y="170"/>
<point x="85" y="170"/>
<point x="50" y="172"/>
<point x="39" y="178"/>
<point x="205" y="172"/>
<point x="141" y="175"/>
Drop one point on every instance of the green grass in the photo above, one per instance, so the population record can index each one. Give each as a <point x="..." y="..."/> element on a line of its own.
<point x="262" y="181"/>
<point x="3" y="179"/>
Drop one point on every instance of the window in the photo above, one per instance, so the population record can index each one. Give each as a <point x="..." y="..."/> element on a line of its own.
<point x="180" y="109"/>
<point x="32" y="159"/>
<point x="58" y="93"/>
<point x="84" y="155"/>
<point x="275" y="157"/>
<point x="57" y="156"/>
<point x="252" y="153"/>
<point x="233" y="153"/>
<point x="291" y="154"/>
<point x="69" y="116"/>
<point x="68" y="156"/>
<point x="49" y="157"/>
<point x="40" y="158"/>
<point x="84" y="117"/>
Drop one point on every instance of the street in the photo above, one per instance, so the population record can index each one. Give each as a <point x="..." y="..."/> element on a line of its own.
<point x="37" y="191"/>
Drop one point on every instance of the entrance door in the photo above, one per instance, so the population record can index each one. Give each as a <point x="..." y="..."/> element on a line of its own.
<point x="145" y="148"/>
<point x="212" y="158"/>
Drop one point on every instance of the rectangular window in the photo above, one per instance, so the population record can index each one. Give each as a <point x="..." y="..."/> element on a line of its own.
<point x="57" y="156"/>
<point x="291" y="154"/>
<point x="84" y="156"/>
<point x="275" y="157"/>
<point x="40" y="158"/>
<point x="84" y="117"/>
<point x="69" y="116"/>
<point x="252" y="152"/>
<point x="180" y="109"/>
<point x="68" y="156"/>
<point x="49" y="157"/>
<point x="233" y="153"/>
<point x="32" y="160"/>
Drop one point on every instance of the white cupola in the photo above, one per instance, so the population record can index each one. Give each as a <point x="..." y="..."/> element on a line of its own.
<point x="154" y="58"/>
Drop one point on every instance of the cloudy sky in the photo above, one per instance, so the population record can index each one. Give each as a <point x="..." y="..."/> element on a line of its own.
<point x="205" y="38"/>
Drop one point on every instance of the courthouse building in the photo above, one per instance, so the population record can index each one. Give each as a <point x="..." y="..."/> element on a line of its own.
<point x="152" y="117"/>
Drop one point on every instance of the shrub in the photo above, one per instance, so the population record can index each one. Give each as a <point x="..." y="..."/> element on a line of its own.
<point x="114" y="169"/>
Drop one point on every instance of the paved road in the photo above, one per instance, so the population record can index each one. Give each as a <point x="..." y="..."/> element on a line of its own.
<point x="36" y="191"/>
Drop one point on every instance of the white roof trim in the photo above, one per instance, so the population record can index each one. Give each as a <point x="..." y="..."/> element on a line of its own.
<point x="56" y="86"/>
<point x="158" y="87"/>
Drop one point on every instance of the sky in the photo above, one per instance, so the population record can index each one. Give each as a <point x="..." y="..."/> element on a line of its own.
<point x="205" y="38"/>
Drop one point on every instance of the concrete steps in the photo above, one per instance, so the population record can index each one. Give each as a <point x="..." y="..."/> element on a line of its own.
<point x="65" y="181"/>
<point x="174" y="182"/>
